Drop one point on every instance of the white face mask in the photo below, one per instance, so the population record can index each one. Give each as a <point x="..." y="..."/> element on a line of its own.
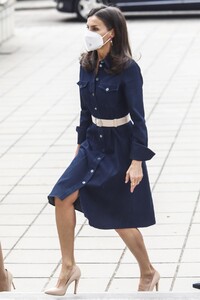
<point x="94" y="40"/>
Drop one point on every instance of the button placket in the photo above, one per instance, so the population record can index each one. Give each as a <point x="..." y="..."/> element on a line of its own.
<point x="88" y="176"/>
<point x="96" y="80"/>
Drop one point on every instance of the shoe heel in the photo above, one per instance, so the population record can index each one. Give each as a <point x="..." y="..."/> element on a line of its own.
<point x="10" y="280"/>
<point x="157" y="286"/>
<point x="76" y="282"/>
<point x="13" y="285"/>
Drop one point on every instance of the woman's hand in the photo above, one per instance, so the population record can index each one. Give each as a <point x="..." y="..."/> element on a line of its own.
<point x="77" y="149"/>
<point x="134" y="174"/>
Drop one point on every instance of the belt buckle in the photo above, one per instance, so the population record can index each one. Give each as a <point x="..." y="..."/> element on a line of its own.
<point x="99" y="122"/>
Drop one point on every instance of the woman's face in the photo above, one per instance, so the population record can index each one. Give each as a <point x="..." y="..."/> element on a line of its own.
<point x="96" y="25"/>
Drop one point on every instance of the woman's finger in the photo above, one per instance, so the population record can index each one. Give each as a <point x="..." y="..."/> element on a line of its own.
<point x="134" y="183"/>
<point x="127" y="177"/>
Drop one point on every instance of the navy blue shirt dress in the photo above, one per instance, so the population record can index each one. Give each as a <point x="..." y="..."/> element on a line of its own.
<point x="99" y="169"/>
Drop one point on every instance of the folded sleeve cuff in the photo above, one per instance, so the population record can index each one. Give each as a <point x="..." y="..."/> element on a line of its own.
<point x="81" y="134"/>
<point x="140" y="152"/>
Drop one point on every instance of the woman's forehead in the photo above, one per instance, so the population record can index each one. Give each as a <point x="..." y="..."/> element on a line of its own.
<point x="95" y="21"/>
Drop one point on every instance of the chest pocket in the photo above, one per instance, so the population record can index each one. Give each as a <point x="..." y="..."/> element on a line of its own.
<point x="82" y="84"/>
<point x="108" y="88"/>
<point x="84" y="87"/>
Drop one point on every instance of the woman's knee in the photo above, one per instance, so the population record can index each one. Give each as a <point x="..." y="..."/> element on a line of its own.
<point x="120" y="231"/>
<point x="126" y="231"/>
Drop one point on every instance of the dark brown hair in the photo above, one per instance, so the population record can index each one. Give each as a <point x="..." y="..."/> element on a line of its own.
<point x="120" y="52"/>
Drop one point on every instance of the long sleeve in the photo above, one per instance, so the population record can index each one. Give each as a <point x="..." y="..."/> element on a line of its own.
<point x="85" y="119"/>
<point x="133" y="83"/>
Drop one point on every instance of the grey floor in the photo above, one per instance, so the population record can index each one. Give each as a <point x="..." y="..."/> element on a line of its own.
<point x="104" y="296"/>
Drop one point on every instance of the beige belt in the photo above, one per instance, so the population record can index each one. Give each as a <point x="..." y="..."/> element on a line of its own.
<point x="110" y="123"/>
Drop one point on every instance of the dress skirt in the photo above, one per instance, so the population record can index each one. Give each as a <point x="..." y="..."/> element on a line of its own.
<point x="98" y="172"/>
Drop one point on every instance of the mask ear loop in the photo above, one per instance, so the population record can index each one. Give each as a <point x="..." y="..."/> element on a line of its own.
<point x="109" y="39"/>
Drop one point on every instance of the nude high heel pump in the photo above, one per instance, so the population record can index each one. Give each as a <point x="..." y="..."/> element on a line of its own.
<point x="155" y="281"/>
<point x="153" y="284"/>
<point x="75" y="275"/>
<point x="9" y="280"/>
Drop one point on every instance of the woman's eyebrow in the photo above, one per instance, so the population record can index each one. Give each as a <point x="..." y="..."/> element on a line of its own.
<point x="94" y="26"/>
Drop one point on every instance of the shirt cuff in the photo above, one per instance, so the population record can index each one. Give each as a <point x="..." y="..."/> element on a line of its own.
<point x="140" y="152"/>
<point x="81" y="134"/>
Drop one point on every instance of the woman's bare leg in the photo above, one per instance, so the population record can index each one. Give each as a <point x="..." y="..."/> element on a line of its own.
<point x="3" y="277"/>
<point x="66" y="222"/>
<point x="134" y="241"/>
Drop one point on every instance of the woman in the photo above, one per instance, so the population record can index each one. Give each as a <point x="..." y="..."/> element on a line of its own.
<point x="111" y="151"/>
<point x="6" y="278"/>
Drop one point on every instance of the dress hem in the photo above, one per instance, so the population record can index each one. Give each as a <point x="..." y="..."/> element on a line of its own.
<point x="120" y="227"/>
<point x="78" y="208"/>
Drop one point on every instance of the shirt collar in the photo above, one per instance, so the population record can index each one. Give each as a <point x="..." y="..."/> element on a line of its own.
<point x="106" y="61"/>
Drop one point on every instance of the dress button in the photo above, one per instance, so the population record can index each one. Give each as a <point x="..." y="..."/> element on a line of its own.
<point x="83" y="182"/>
<point x="101" y="136"/>
<point x="92" y="94"/>
<point x="107" y="89"/>
<point x="92" y="171"/>
<point x="95" y="108"/>
<point x="97" y="79"/>
<point x="100" y="65"/>
<point x="98" y="158"/>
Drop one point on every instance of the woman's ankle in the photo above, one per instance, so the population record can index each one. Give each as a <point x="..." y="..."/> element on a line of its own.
<point x="148" y="272"/>
<point x="68" y="265"/>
